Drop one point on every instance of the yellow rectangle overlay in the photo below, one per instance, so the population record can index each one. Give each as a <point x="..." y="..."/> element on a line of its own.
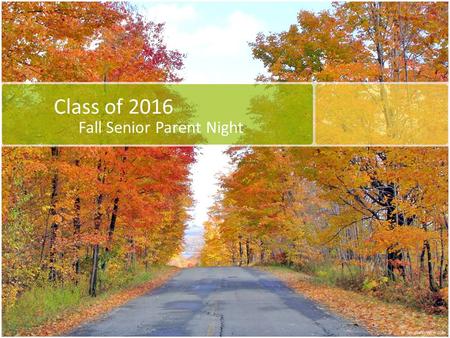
<point x="381" y="114"/>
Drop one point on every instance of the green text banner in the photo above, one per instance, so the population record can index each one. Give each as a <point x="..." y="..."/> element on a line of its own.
<point x="157" y="114"/>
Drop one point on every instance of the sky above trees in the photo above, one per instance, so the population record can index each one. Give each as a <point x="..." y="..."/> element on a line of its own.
<point x="221" y="32"/>
<point x="207" y="31"/>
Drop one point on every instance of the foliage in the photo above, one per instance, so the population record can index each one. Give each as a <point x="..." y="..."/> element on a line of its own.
<point x="75" y="214"/>
<point x="129" y="203"/>
<point x="360" y="218"/>
<point x="360" y="41"/>
<point x="372" y="219"/>
<point x="83" y="41"/>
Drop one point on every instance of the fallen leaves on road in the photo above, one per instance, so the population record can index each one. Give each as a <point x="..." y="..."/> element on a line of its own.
<point x="378" y="317"/>
<point x="65" y="322"/>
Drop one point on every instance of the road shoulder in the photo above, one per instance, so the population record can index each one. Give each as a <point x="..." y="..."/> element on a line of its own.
<point x="70" y="319"/>
<point x="379" y="318"/>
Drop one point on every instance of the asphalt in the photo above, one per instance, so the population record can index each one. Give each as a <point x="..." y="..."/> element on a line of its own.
<point x="228" y="301"/>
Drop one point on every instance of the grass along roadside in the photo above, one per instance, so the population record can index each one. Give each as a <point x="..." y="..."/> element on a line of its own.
<point x="51" y="311"/>
<point x="378" y="317"/>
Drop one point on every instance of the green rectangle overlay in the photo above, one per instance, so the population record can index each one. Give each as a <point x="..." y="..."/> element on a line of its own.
<point x="157" y="114"/>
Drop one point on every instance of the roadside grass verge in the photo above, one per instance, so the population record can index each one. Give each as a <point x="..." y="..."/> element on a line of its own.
<point x="53" y="310"/>
<point x="377" y="316"/>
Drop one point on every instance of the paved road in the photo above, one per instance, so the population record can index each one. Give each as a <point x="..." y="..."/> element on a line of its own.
<point x="220" y="302"/>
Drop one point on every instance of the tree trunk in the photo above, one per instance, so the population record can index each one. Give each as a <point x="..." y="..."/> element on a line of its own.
<point x="96" y="249"/>
<point x="55" y="225"/>
<point x="411" y="274"/>
<point x="247" y="251"/>
<point x="433" y="285"/>
<point x="240" y="251"/>
<point x="261" y="254"/>
<point x="112" y="224"/>
<point x="97" y="223"/>
<point x="131" y="254"/>
<point x="390" y="266"/>
<point x="422" y="259"/>
<point x="94" y="271"/>
<point x="375" y="16"/>
<point x="441" y="262"/>
<point x="77" y="228"/>
<point x="233" y="255"/>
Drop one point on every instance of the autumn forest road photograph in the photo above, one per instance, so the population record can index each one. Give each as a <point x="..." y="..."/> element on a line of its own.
<point x="224" y="168"/>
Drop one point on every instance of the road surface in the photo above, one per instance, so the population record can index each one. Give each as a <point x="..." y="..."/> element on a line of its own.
<point x="220" y="302"/>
